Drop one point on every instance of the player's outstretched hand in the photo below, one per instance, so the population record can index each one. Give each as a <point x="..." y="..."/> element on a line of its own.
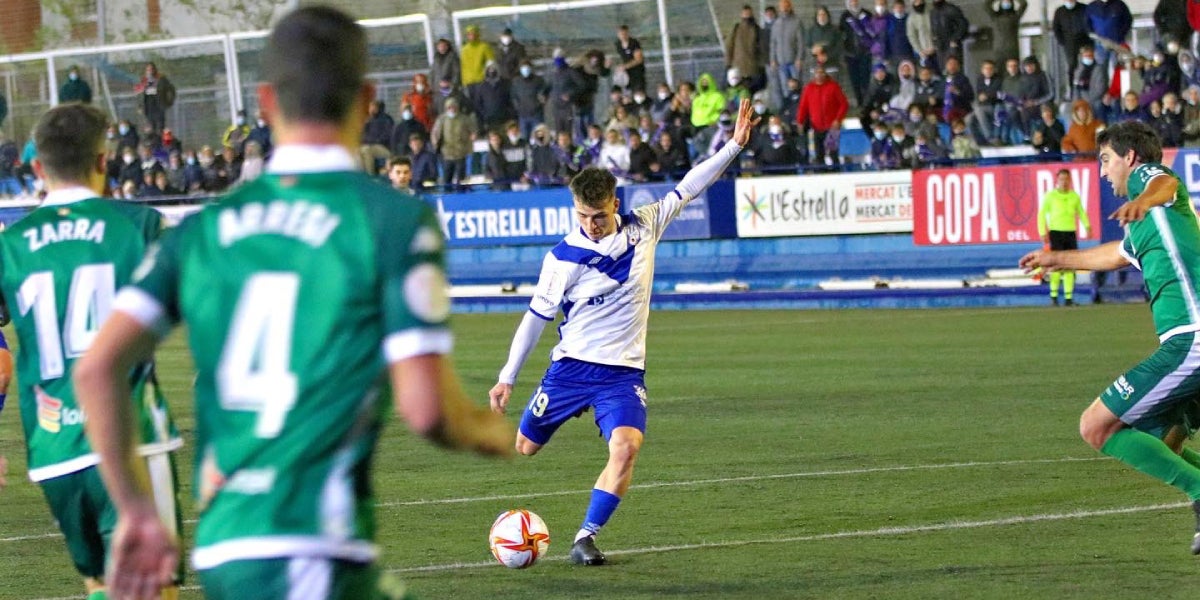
<point x="144" y="555"/>
<point x="1043" y="258"/>
<point x="499" y="395"/>
<point x="746" y="122"/>
<point x="1129" y="212"/>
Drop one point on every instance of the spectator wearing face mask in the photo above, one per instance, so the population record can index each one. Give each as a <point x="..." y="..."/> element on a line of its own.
<point x="639" y="104"/>
<point x="884" y="155"/>
<point x="444" y="92"/>
<point x="543" y="160"/>
<point x="981" y="121"/>
<point x="1071" y="32"/>
<point x="1167" y="123"/>
<point x="509" y="55"/>
<point x="419" y="99"/>
<point x="775" y="148"/>
<point x="235" y="134"/>
<point x="1090" y="81"/>
<point x="708" y="103"/>
<point x="1006" y="20"/>
<point x="131" y="167"/>
<point x="129" y="137"/>
<point x="261" y="133"/>
<point x="737" y="91"/>
<point x="76" y="89"/>
<point x="529" y="94"/>
<point x="451" y="137"/>
<point x="406" y="127"/>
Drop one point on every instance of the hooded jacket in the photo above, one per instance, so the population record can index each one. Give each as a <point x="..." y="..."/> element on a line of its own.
<point x="1081" y="136"/>
<point x="707" y="105"/>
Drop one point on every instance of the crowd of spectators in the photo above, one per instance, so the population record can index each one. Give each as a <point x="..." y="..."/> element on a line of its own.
<point x="897" y="65"/>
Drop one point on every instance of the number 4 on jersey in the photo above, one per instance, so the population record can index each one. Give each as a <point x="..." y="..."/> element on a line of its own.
<point x="254" y="371"/>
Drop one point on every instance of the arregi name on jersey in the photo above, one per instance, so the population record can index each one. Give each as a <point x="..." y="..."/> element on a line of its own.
<point x="309" y="223"/>
<point x="62" y="231"/>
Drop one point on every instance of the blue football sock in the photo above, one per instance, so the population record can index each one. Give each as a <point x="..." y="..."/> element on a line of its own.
<point x="599" y="511"/>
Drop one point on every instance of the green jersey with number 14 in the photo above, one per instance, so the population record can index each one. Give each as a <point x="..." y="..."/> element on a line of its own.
<point x="297" y="289"/>
<point x="1166" y="247"/>
<point x="60" y="267"/>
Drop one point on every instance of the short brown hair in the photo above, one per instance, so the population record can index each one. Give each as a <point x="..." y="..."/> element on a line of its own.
<point x="594" y="187"/>
<point x="68" y="138"/>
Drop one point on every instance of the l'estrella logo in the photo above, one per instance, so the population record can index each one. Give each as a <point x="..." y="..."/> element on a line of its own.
<point x="51" y="413"/>
<point x="753" y="207"/>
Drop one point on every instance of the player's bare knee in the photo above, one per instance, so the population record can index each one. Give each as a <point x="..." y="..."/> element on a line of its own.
<point x="623" y="451"/>
<point x="526" y="447"/>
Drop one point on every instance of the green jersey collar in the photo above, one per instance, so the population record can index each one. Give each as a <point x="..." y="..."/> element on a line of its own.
<point x="301" y="158"/>
<point x="69" y="195"/>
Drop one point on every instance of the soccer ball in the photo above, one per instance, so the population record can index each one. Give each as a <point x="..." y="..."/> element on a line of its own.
<point x="518" y="538"/>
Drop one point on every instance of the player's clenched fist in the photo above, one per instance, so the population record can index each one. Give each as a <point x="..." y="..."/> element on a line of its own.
<point x="499" y="396"/>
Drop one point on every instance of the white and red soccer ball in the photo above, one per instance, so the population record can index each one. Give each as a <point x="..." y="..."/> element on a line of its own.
<point x="519" y="538"/>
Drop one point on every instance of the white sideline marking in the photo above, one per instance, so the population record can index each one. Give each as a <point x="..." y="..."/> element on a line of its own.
<point x="882" y="531"/>
<point x="693" y="482"/>
<point x="687" y="483"/>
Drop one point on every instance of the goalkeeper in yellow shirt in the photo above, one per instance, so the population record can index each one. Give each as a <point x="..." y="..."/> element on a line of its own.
<point x="1061" y="209"/>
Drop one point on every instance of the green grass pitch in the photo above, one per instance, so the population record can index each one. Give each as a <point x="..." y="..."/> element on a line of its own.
<point x="807" y="454"/>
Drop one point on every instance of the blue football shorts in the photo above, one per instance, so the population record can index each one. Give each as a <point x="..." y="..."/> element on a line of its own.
<point x="617" y="396"/>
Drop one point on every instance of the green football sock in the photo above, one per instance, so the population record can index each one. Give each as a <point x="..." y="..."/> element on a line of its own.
<point x="1055" y="277"/>
<point x="1149" y="455"/>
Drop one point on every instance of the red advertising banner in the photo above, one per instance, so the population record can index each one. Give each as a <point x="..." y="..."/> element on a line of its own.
<point x="995" y="205"/>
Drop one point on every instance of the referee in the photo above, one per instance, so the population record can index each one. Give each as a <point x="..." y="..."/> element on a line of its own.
<point x="1057" y="217"/>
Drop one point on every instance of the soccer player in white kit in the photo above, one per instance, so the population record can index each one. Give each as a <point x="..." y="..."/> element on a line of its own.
<point x="602" y="275"/>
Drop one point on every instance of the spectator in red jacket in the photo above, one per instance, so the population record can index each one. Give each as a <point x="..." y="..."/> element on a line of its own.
<point x="822" y="107"/>
<point x="420" y="100"/>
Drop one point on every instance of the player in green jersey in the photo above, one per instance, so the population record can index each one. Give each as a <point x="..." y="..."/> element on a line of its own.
<point x="306" y="292"/>
<point x="60" y="268"/>
<point x="1143" y="418"/>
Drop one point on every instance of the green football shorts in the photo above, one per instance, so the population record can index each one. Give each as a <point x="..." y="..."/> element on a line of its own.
<point x="87" y="517"/>
<point x="1162" y="391"/>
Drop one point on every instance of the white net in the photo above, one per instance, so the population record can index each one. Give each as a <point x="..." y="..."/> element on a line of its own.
<point x="577" y="27"/>
<point x="398" y="48"/>
<point x="196" y="69"/>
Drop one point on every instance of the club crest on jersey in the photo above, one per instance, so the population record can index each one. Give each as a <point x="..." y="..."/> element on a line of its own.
<point x="51" y="414"/>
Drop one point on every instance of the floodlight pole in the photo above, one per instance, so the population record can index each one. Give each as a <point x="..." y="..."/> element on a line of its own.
<point x="665" y="36"/>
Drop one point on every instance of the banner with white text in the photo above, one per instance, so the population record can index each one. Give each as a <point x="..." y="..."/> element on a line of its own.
<point x="876" y="202"/>
<point x="995" y="205"/>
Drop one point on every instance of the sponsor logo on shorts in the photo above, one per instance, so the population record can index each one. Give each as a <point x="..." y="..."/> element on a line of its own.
<point x="1124" y="388"/>
<point x="51" y="414"/>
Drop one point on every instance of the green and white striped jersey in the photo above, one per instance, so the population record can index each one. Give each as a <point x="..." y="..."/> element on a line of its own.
<point x="1166" y="247"/>
<point x="60" y="267"/>
<point x="297" y="289"/>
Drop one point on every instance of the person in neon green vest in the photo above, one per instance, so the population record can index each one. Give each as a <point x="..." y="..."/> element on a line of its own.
<point x="1057" y="217"/>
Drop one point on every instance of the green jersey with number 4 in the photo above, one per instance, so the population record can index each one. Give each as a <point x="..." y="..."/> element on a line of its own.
<point x="1166" y="247"/>
<point x="60" y="267"/>
<point x="297" y="289"/>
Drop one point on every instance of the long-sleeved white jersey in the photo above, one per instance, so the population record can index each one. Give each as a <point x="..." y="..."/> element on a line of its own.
<point x="604" y="286"/>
